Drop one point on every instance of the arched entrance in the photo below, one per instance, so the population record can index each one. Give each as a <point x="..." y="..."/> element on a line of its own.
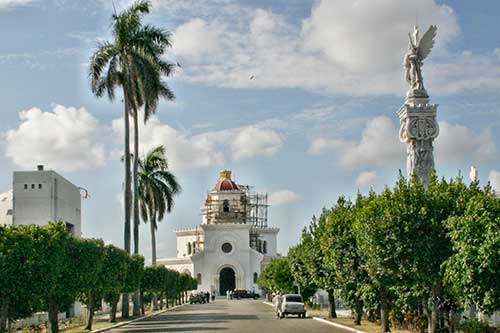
<point x="227" y="280"/>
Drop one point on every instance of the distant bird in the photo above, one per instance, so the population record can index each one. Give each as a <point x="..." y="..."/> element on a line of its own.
<point x="252" y="77"/>
<point x="179" y="65"/>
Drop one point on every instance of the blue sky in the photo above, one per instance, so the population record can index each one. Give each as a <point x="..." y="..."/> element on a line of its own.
<point x="318" y="120"/>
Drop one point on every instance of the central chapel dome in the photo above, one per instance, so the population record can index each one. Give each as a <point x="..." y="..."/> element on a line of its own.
<point x="225" y="183"/>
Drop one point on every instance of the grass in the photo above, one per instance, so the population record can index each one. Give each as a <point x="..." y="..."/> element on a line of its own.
<point x="366" y="325"/>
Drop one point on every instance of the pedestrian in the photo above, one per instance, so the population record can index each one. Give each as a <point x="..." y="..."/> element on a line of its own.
<point x="278" y="300"/>
<point x="207" y="295"/>
<point x="227" y="294"/>
<point x="230" y="294"/>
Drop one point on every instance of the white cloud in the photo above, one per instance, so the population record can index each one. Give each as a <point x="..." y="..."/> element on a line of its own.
<point x="252" y="141"/>
<point x="65" y="139"/>
<point x="7" y="4"/>
<point x="186" y="151"/>
<point x="379" y="145"/>
<point x="342" y="48"/>
<point x="205" y="43"/>
<point x="457" y="143"/>
<point x="366" y="178"/>
<point x="494" y="178"/>
<point x="283" y="197"/>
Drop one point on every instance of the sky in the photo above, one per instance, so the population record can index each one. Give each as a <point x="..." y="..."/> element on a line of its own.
<point x="298" y="98"/>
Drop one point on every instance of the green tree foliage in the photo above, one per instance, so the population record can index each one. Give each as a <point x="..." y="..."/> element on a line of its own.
<point x="277" y="276"/>
<point x="474" y="268"/>
<point x="342" y="256"/>
<point x="115" y="265"/>
<point x="91" y="266"/>
<point x="18" y="278"/>
<point x="297" y="256"/>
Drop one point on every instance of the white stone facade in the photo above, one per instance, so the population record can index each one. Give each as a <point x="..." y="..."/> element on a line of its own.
<point x="41" y="196"/>
<point x="226" y="251"/>
<point x="6" y="210"/>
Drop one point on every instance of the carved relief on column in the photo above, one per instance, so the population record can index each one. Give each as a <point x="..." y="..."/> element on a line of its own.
<point x="418" y="130"/>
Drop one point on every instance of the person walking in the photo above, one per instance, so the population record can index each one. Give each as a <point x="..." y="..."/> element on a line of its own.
<point x="278" y="300"/>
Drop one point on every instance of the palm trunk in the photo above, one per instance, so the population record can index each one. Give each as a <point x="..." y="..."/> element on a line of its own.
<point x="90" y="309"/>
<point x="137" y="295"/>
<point x="153" y="256"/>
<point x="332" y="313"/>
<point x="53" y="312"/>
<point x="127" y="195"/>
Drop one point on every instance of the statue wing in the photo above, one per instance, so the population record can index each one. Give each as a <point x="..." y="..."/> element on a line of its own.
<point x="427" y="42"/>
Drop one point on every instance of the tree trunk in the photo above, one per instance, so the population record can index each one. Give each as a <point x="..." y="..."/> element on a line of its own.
<point x="332" y="312"/>
<point x="143" y="310"/>
<point x="4" y="313"/>
<point x="359" y="312"/>
<point x="137" y="303"/>
<point x="53" y="312"/>
<point x="153" y="256"/>
<point x="384" y="311"/>
<point x="127" y="193"/>
<point x="90" y="309"/>
<point x="161" y="302"/>
<point x="112" y="315"/>
<point x="433" y="322"/>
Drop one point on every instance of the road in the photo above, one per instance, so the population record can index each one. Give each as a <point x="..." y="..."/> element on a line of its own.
<point x="226" y="316"/>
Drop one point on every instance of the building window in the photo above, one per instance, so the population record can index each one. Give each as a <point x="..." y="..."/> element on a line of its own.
<point x="259" y="246"/>
<point x="227" y="247"/>
<point x="39" y="186"/>
<point x="32" y="186"/>
<point x="225" y="206"/>
<point x="189" y="247"/>
<point x="198" y="278"/>
<point x="255" y="277"/>
<point x="25" y="186"/>
<point x="194" y="247"/>
<point x="9" y="212"/>
<point x="264" y="247"/>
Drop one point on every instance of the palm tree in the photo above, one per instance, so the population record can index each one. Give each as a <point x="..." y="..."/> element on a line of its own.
<point x="133" y="62"/>
<point x="157" y="188"/>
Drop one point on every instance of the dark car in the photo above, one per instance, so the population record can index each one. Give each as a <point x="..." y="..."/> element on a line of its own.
<point x="197" y="298"/>
<point x="241" y="293"/>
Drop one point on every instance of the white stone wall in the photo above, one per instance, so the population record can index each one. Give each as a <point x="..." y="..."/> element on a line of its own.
<point x="42" y="196"/>
<point x="6" y="210"/>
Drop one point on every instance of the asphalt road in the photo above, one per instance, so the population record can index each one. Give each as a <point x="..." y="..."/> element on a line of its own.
<point x="226" y="316"/>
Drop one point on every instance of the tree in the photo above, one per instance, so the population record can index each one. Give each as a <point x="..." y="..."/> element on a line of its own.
<point x="19" y="286"/>
<point x="134" y="273"/>
<point x="133" y="62"/>
<point x="277" y="276"/>
<point x="57" y="261"/>
<point x="116" y="263"/>
<point x="315" y="259"/>
<point x="473" y="268"/>
<point x="157" y="188"/>
<point x="297" y="256"/>
<point x="91" y="265"/>
<point x="342" y="256"/>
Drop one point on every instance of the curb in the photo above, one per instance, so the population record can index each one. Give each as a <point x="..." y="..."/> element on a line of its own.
<point x="348" y="328"/>
<point x="104" y="329"/>
<point x="268" y="303"/>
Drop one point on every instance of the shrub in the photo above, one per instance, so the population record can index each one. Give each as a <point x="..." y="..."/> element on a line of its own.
<point x="476" y="326"/>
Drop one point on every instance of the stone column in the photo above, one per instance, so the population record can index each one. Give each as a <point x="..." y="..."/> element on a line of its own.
<point x="418" y="130"/>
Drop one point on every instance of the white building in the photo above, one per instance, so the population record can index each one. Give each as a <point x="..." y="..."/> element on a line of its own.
<point x="40" y="196"/>
<point x="6" y="210"/>
<point x="233" y="243"/>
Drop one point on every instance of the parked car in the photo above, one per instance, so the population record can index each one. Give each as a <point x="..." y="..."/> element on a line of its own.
<point x="242" y="293"/>
<point x="292" y="304"/>
<point x="197" y="298"/>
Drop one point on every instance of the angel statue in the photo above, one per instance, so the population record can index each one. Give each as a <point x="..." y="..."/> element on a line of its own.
<point x="418" y="50"/>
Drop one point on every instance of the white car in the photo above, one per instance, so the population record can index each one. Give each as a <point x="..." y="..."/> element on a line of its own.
<point x="292" y="304"/>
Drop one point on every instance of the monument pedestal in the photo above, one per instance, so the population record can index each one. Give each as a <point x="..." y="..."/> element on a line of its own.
<point x="418" y="130"/>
